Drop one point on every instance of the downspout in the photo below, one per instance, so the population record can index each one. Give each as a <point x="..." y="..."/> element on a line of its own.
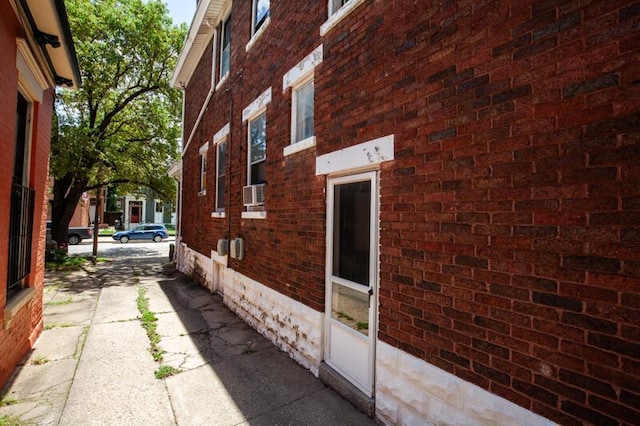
<point x="239" y="74"/>
<point x="180" y="188"/>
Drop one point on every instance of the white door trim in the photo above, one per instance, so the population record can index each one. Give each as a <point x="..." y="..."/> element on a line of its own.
<point x="366" y="386"/>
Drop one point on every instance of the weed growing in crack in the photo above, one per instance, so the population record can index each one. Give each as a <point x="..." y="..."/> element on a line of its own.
<point x="54" y="325"/>
<point x="7" y="400"/>
<point x="148" y="322"/>
<point x="40" y="360"/>
<point x="6" y="420"/>
<point x="166" y="371"/>
<point x="60" y="302"/>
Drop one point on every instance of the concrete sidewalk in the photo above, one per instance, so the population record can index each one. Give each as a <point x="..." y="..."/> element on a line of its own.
<point x="92" y="364"/>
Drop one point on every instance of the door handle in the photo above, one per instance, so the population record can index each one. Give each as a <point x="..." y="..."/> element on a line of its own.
<point x="370" y="291"/>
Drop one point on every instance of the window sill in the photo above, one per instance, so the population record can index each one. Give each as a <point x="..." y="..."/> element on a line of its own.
<point x="339" y="15"/>
<point x="257" y="34"/>
<point x="202" y="193"/>
<point x="222" y="81"/>
<point x="254" y="215"/>
<point x="219" y="215"/>
<point x="307" y="143"/>
<point x="16" y="304"/>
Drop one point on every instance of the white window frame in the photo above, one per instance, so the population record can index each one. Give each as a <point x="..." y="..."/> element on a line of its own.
<point x="296" y="77"/>
<point x="204" y="149"/>
<point x="259" y="114"/>
<point x="221" y="137"/>
<point x="224" y="29"/>
<point x="214" y="59"/>
<point x="223" y="142"/>
<point x="255" y="108"/>
<point x="310" y="140"/>
<point x="257" y="32"/>
<point x="338" y="14"/>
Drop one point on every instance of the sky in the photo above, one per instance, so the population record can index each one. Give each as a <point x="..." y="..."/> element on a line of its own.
<point x="181" y="10"/>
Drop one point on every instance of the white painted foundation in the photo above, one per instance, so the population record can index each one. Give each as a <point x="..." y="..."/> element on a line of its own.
<point x="410" y="391"/>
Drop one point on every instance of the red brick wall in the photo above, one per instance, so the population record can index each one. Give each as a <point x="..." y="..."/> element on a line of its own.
<point x="19" y="336"/>
<point x="510" y="218"/>
<point x="198" y="89"/>
<point x="292" y="186"/>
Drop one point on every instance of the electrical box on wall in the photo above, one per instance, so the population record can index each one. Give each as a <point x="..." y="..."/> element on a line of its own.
<point x="236" y="249"/>
<point x="223" y="247"/>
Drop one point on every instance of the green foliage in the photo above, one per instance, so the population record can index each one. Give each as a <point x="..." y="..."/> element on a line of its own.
<point x="120" y="127"/>
<point x="6" y="420"/>
<point x="7" y="400"/>
<point x="149" y="323"/>
<point x="166" y="371"/>
<point x="62" y="262"/>
<point x="54" y="254"/>
<point x="40" y="360"/>
<point x="67" y="301"/>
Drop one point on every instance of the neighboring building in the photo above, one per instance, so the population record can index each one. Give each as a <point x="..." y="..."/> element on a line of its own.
<point x="132" y="210"/>
<point x="436" y="201"/>
<point x="81" y="215"/>
<point x="36" y="53"/>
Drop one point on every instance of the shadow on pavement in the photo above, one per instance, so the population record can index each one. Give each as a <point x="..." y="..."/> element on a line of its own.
<point x="248" y="379"/>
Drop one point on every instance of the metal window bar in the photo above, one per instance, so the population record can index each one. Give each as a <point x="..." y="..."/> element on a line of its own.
<point x="20" y="237"/>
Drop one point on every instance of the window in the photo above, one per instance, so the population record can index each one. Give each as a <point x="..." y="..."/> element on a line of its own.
<point x="214" y="56"/>
<point x="203" y="172"/>
<point x="221" y="170"/>
<point x="22" y="203"/>
<point x="159" y="207"/>
<point x="338" y="10"/>
<point x="257" y="149"/>
<point x="253" y="194"/>
<point x="302" y="112"/>
<point x="225" y="46"/>
<point x="335" y="5"/>
<point x="260" y="14"/>
<point x="300" y="79"/>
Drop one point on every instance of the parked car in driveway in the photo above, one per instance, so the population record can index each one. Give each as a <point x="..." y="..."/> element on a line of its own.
<point x="156" y="233"/>
<point x="75" y="235"/>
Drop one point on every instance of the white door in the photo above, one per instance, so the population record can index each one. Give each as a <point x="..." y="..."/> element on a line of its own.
<point x="159" y="212"/>
<point x="352" y="274"/>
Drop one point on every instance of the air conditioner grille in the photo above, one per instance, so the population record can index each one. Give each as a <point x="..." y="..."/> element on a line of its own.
<point x="253" y="195"/>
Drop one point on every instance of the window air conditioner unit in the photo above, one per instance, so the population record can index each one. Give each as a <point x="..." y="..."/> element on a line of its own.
<point x="253" y="195"/>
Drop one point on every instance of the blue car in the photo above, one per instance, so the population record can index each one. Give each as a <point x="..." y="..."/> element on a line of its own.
<point x="156" y="233"/>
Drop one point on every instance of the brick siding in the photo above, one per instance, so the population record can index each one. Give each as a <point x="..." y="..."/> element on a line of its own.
<point x="18" y="337"/>
<point x="510" y="217"/>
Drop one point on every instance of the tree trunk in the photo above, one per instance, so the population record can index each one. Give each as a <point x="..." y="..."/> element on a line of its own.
<point x="67" y="192"/>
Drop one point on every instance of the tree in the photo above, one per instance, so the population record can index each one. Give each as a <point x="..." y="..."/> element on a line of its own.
<point x="121" y="126"/>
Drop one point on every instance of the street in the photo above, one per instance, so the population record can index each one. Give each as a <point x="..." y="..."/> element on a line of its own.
<point x="108" y="247"/>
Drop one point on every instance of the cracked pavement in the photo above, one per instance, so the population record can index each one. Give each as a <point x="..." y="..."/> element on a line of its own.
<point x="92" y="363"/>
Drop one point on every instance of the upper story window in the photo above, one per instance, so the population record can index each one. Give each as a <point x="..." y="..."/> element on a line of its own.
<point x="335" y="5"/>
<point x="214" y="56"/>
<point x="338" y="9"/>
<point x="258" y="149"/>
<point x="302" y="111"/>
<point x="260" y="14"/>
<point x="300" y="79"/>
<point x="225" y="46"/>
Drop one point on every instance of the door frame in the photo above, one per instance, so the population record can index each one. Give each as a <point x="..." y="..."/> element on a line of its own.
<point x="374" y="271"/>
